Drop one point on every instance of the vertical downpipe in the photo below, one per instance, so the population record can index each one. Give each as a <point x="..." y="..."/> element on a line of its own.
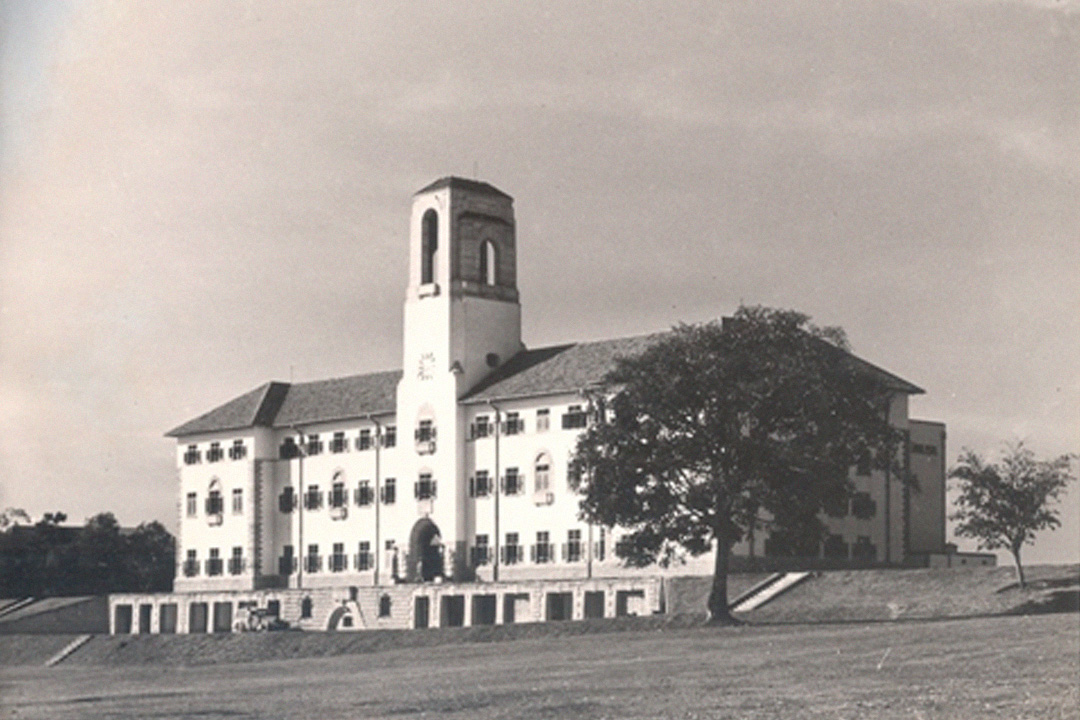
<point x="498" y="492"/>
<point x="377" y="498"/>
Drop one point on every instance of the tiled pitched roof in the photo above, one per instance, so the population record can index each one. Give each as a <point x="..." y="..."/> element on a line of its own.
<point x="550" y="370"/>
<point x="558" y="368"/>
<point x="452" y="181"/>
<point x="278" y="404"/>
<point x="250" y="409"/>
<point x="571" y="367"/>
<point x="339" y="398"/>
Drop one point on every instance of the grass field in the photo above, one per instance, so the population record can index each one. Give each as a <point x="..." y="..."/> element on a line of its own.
<point x="995" y="667"/>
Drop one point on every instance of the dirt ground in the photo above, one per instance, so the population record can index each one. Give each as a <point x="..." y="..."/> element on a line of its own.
<point x="1000" y="667"/>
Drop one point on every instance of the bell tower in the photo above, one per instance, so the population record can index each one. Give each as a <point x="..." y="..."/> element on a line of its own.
<point x="462" y="321"/>
<point x="461" y="309"/>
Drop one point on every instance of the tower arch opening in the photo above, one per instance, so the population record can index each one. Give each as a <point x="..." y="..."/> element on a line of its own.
<point x="489" y="263"/>
<point x="429" y="246"/>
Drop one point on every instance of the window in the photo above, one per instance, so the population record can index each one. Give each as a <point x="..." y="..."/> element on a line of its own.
<point x="287" y="561"/>
<point x="835" y="547"/>
<point x="287" y="499"/>
<point x="429" y="246"/>
<point x="513" y="425"/>
<point x="237" y="501"/>
<point x="273" y="608"/>
<point x="574" y="418"/>
<point x="364" y="496"/>
<point x="389" y="491"/>
<point x="192" y="505"/>
<point x="191" y="564"/>
<point x="574" y="473"/>
<point x="238" y="451"/>
<point x="364" y="441"/>
<point x="313" y="498"/>
<point x="338" y="561"/>
<point x="425" y="487"/>
<point x="314" y="444"/>
<point x="214" y="503"/>
<point x="543" y="420"/>
<point x="191" y="455"/>
<point x="215" y="452"/>
<point x="924" y="449"/>
<point x="390" y="436"/>
<point x="481" y="427"/>
<point x="306" y="608"/>
<point x="480" y="484"/>
<point x="213" y="564"/>
<point x="481" y="552"/>
<point x="512" y="482"/>
<point x="338" y="497"/>
<point x="572" y="549"/>
<point x="542" y="481"/>
<point x="488" y="263"/>
<point x="236" y="562"/>
<point x="600" y="546"/>
<point x="511" y="551"/>
<point x="425" y="431"/>
<point x="863" y="506"/>
<point x="863" y="549"/>
<point x="385" y="603"/>
<point x="542" y="552"/>
<point x="289" y="449"/>
<point x="337" y="444"/>
<point x="313" y="561"/>
<point x="363" y="556"/>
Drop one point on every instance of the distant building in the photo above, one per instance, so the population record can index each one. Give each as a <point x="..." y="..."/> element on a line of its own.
<point x="455" y="468"/>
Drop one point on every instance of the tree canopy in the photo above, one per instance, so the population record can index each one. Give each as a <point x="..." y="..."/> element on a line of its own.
<point x="717" y="427"/>
<point x="1003" y="505"/>
<point x="48" y="558"/>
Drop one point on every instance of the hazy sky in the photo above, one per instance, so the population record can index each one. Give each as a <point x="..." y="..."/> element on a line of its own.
<point x="199" y="197"/>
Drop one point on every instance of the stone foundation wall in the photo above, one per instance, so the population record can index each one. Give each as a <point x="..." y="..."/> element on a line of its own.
<point x="354" y="608"/>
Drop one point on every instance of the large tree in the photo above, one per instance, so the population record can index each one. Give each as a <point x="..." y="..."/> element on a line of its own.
<point x="1003" y="505"/>
<point x="716" y="427"/>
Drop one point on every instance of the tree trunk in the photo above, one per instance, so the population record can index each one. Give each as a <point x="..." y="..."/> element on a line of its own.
<point x="1019" y="568"/>
<point x="719" y="613"/>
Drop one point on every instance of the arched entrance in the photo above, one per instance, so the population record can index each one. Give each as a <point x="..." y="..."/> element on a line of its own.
<point x="425" y="552"/>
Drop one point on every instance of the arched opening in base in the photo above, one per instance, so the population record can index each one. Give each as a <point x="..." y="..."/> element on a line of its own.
<point x="425" y="552"/>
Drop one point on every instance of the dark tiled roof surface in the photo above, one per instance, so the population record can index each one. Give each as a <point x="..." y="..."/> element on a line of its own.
<point x="277" y="404"/>
<point x="545" y="371"/>
<point x="463" y="184"/>
<point x="559" y="368"/>
<point x="347" y="397"/>
<point x="245" y="411"/>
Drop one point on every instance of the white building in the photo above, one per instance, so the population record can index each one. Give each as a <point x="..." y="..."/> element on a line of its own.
<point x="452" y="470"/>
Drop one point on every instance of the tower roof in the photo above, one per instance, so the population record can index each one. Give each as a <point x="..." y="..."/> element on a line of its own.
<point x="457" y="183"/>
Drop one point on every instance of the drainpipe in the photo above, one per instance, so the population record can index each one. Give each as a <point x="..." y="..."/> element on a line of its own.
<point x="300" y="508"/>
<point x="588" y="471"/>
<point x="498" y="491"/>
<point x="377" y="499"/>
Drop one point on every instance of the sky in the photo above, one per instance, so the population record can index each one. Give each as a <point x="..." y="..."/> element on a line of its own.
<point x="196" y="198"/>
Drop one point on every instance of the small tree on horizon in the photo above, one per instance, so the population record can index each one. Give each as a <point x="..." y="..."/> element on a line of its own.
<point x="1003" y="505"/>
<point x="715" y="425"/>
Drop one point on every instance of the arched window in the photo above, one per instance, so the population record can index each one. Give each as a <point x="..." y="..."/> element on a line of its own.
<point x="306" y="607"/>
<point x="488" y="263"/>
<point x="215" y="505"/>
<point x="385" y="604"/>
<point x="542" y="473"/>
<point x="430" y="246"/>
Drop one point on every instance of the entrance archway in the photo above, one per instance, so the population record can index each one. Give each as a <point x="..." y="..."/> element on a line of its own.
<point x="425" y="552"/>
